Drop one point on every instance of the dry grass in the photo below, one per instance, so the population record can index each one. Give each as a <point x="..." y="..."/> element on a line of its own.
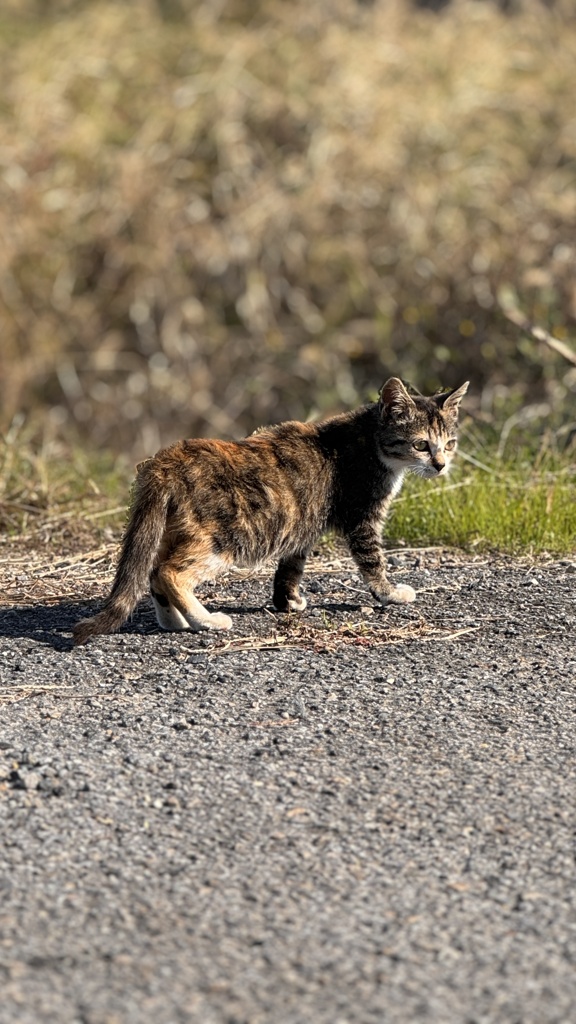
<point x="38" y="578"/>
<point x="218" y="214"/>
<point x="54" y="496"/>
<point x="327" y="639"/>
<point x="263" y="209"/>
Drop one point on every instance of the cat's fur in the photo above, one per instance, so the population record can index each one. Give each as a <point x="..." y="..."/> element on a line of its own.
<point x="201" y="506"/>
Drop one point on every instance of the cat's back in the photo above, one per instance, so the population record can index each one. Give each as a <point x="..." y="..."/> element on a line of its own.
<point x="289" y="448"/>
<point x="264" y="495"/>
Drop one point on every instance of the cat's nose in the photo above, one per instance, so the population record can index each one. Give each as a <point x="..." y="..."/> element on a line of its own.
<point x="438" y="464"/>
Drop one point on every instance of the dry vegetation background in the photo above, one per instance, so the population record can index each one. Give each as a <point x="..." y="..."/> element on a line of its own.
<point x="222" y="213"/>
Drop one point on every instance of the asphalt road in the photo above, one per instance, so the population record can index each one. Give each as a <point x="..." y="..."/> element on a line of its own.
<point x="359" y="817"/>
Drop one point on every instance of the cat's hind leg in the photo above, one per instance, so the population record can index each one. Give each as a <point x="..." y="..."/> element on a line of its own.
<point x="166" y="614"/>
<point x="176" y="605"/>
<point x="286" y="593"/>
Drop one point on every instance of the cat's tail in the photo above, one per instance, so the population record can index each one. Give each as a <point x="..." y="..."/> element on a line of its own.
<point x="144" y="532"/>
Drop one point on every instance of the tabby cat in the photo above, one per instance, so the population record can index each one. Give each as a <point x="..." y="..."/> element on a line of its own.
<point x="201" y="506"/>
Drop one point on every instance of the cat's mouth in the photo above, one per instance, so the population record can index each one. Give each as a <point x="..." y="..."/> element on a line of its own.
<point x="430" y="472"/>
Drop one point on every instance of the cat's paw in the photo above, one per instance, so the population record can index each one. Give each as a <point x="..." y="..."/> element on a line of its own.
<point x="401" y="594"/>
<point x="217" y="620"/>
<point x="283" y="603"/>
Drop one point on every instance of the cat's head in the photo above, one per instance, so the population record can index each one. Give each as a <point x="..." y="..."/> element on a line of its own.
<point x="419" y="433"/>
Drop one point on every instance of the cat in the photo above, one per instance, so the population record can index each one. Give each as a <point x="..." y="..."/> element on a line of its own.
<point x="202" y="506"/>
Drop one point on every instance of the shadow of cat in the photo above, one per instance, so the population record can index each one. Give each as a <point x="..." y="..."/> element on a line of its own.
<point x="47" y="624"/>
<point x="51" y="624"/>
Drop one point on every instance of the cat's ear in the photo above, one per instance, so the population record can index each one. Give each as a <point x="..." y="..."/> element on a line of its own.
<point x="449" y="401"/>
<point x="395" y="400"/>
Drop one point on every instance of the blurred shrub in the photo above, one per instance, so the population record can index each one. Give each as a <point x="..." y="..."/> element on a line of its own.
<point x="221" y="213"/>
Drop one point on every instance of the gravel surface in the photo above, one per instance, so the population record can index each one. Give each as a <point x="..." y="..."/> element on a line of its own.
<point x="361" y="815"/>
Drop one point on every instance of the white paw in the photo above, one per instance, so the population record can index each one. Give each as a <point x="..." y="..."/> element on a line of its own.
<point x="218" y="621"/>
<point x="402" y="594"/>
<point x="297" y="604"/>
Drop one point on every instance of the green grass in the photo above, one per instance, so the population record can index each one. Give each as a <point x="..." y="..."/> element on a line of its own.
<point x="517" y="505"/>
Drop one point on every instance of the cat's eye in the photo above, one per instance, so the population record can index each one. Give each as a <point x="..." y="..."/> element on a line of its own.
<point x="420" y="445"/>
<point x="450" y="444"/>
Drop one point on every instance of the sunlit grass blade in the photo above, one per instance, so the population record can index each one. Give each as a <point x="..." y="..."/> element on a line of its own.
<point x="516" y="509"/>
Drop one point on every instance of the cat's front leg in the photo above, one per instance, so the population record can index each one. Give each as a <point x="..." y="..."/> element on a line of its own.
<point x="368" y="553"/>
<point x="286" y="594"/>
